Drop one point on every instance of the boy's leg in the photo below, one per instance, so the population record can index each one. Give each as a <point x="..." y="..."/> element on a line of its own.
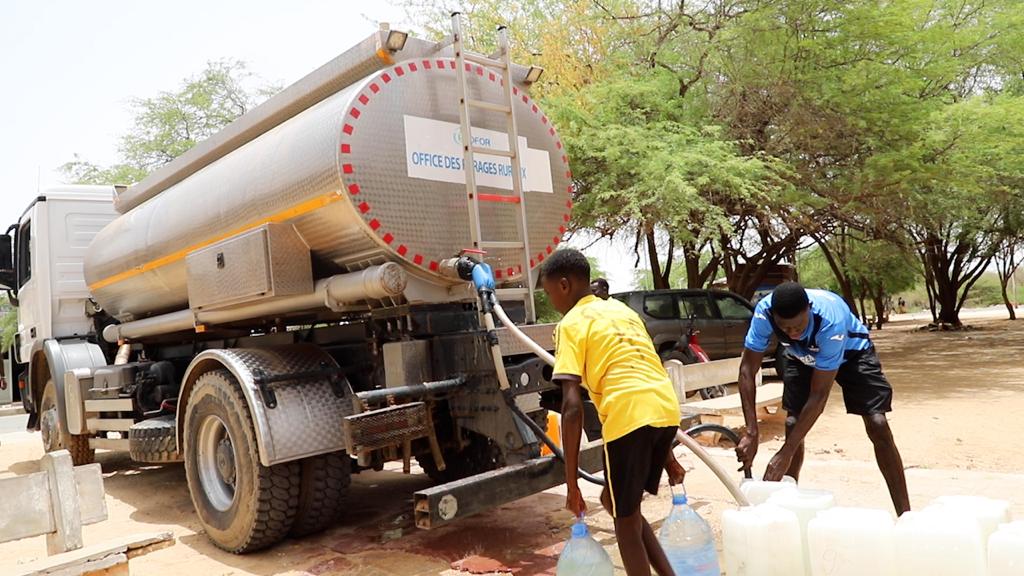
<point x="633" y="462"/>
<point x="889" y="461"/>
<point x="629" y="532"/>
<point x="655" y="554"/>
<point x="867" y="393"/>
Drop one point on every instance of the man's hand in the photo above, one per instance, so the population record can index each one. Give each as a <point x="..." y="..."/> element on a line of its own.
<point x="574" y="501"/>
<point x="778" y="466"/>
<point x="747" y="449"/>
<point x="676" y="473"/>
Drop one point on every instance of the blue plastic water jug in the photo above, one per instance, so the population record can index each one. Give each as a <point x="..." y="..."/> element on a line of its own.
<point x="688" y="542"/>
<point x="583" y="556"/>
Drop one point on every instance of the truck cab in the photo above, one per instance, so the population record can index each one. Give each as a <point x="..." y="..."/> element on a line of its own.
<point x="41" y="266"/>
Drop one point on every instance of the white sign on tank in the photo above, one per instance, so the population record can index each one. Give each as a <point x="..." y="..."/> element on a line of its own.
<point x="433" y="151"/>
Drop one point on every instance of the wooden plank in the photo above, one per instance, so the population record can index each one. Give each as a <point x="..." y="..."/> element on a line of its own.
<point x="109" y="444"/>
<point x="109" y="424"/>
<point x="68" y="562"/>
<point x="767" y="395"/>
<point x="119" y="405"/>
<point x="91" y="496"/>
<point x="25" y="507"/>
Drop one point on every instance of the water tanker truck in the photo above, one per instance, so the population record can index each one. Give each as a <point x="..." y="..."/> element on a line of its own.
<point x="292" y="301"/>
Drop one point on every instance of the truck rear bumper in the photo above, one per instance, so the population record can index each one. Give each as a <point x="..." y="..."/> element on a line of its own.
<point x="439" y="505"/>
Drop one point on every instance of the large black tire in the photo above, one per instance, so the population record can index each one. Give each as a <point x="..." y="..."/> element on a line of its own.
<point x="479" y="455"/>
<point x="153" y="441"/>
<point x="325" y="482"/>
<point x="243" y="505"/>
<point x="54" y="431"/>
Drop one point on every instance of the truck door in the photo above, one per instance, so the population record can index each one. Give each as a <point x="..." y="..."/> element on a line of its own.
<point x="29" y="303"/>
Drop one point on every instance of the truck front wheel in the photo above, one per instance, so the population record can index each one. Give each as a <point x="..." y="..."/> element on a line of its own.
<point x="54" y="432"/>
<point x="243" y="505"/>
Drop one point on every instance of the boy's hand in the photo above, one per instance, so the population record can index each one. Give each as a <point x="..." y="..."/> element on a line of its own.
<point x="676" y="473"/>
<point x="747" y="449"/>
<point x="574" y="501"/>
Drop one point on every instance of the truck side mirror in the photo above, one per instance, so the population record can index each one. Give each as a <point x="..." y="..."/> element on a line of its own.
<point x="7" y="277"/>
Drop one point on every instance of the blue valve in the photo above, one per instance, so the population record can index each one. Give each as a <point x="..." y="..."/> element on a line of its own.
<point x="483" y="276"/>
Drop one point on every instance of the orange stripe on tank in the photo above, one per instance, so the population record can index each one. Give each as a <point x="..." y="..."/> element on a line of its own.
<point x="287" y="214"/>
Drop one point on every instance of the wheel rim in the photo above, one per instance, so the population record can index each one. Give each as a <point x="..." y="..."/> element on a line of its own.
<point x="48" y="428"/>
<point x="216" y="462"/>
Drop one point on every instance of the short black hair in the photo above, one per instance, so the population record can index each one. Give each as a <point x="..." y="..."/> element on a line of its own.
<point x="566" y="263"/>
<point x="789" y="299"/>
<point x="600" y="282"/>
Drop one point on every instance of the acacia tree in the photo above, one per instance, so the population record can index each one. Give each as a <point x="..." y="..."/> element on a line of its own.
<point x="170" y="123"/>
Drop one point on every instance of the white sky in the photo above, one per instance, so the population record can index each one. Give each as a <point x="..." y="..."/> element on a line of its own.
<point x="68" y="70"/>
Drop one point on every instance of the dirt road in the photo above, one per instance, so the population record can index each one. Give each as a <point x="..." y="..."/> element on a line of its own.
<point x="957" y="416"/>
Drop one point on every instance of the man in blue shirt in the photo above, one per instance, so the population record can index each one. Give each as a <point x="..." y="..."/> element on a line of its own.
<point x="823" y="342"/>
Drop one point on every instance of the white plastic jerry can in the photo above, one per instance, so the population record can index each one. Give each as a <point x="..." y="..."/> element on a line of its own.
<point x="1006" y="550"/>
<point x="988" y="512"/>
<point x="758" y="491"/>
<point x="806" y="504"/>
<point x="761" y="541"/>
<point x="852" y="542"/>
<point x="939" y="542"/>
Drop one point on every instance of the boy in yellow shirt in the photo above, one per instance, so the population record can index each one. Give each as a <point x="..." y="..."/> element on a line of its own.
<point x="604" y="346"/>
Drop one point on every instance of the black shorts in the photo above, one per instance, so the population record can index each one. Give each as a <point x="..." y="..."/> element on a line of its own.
<point x="865" y="389"/>
<point x="633" y="463"/>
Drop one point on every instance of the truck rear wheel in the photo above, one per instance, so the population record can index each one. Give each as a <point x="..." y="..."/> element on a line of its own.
<point x="243" y="505"/>
<point x="325" y="482"/>
<point x="55" y="434"/>
<point x="480" y="454"/>
<point x="153" y="441"/>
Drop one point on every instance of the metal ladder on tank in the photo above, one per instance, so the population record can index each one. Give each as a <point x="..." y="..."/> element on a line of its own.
<point x="502" y="65"/>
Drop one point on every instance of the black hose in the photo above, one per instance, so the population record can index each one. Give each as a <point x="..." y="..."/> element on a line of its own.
<point x="540" y="433"/>
<point x="702" y="428"/>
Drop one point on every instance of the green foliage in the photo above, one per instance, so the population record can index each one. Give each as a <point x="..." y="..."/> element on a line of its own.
<point x="170" y="123"/>
<point x="8" y="324"/>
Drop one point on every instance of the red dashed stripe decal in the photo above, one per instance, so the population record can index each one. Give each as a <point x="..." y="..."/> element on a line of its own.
<point x="365" y="208"/>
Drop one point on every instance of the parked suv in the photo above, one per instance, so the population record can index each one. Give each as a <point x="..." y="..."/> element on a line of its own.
<point x="720" y="317"/>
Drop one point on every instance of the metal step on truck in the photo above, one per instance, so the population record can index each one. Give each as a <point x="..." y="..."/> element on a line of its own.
<point x="292" y="301"/>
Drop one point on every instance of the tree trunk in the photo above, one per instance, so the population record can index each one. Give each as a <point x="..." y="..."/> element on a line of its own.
<point x="659" y="274"/>
<point x="845" y="286"/>
<point x="1003" y="281"/>
<point x="879" y="300"/>
<point x="863" y="308"/>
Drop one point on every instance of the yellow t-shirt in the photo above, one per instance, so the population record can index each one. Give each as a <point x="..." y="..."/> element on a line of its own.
<point x="606" y="344"/>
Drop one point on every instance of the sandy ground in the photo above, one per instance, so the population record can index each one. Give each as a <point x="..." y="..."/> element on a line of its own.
<point x="956" y="420"/>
